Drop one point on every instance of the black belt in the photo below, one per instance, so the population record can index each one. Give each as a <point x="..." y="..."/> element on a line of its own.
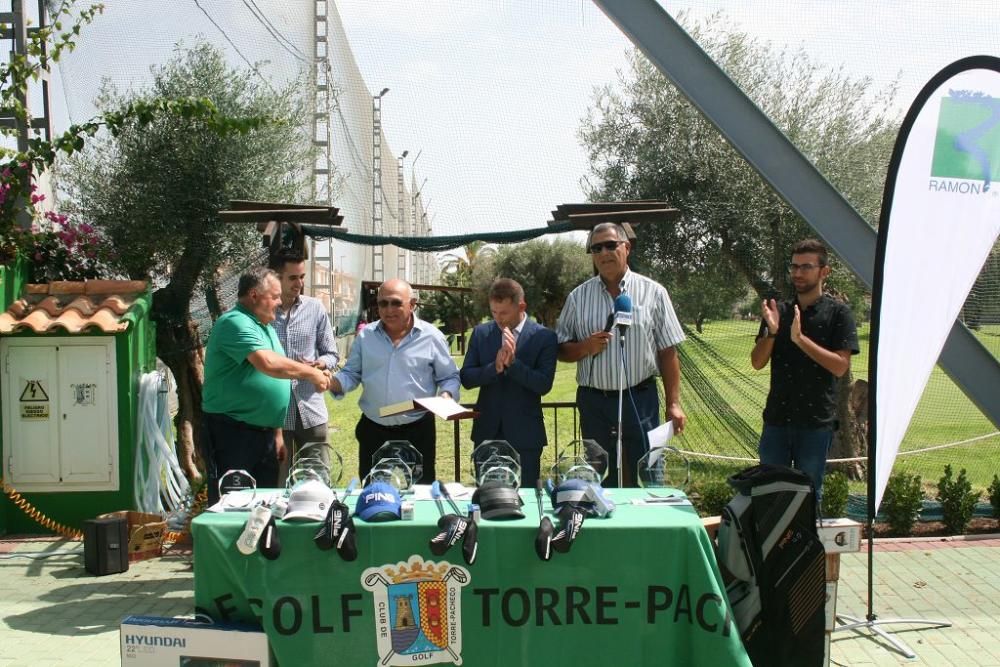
<point x="648" y="383"/>
<point x="226" y="419"/>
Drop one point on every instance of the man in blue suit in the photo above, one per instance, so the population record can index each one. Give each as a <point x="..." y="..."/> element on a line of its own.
<point x="513" y="361"/>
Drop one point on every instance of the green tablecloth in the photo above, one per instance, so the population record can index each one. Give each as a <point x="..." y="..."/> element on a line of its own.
<point x="639" y="588"/>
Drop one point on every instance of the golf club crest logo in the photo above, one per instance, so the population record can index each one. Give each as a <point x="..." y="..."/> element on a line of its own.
<point x="418" y="611"/>
<point x="967" y="144"/>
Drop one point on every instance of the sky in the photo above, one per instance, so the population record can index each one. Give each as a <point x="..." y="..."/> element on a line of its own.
<point x="491" y="93"/>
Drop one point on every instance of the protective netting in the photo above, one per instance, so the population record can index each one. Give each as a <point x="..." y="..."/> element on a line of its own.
<point x="488" y="101"/>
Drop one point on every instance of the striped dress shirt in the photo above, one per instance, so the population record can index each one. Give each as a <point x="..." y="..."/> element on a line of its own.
<point x="306" y="335"/>
<point x="654" y="327"/>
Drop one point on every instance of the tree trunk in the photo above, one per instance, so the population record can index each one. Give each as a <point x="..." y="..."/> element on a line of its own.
<point x="850" y="440"/>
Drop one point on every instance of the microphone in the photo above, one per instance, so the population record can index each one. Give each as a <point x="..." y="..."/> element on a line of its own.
<point x="623" y="312"/>
<point x="609" y="324"/>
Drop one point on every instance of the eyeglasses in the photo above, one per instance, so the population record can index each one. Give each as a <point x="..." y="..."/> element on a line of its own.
<point x="385" y="303"/>
<point x="610" y="246"/>
<point x="805" y="268"/>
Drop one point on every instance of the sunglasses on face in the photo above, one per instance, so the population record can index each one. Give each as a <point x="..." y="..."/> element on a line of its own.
<point x="386" y="303"/>
<point x="610" y="246"/>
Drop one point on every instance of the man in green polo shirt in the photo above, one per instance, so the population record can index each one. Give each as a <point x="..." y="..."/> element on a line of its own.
<point x="246" y="388"/>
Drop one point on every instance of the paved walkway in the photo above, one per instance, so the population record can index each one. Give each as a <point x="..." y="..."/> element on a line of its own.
<point x="53" y="613"/>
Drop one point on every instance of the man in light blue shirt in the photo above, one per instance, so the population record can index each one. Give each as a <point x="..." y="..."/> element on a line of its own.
<point x="398" y="358"/>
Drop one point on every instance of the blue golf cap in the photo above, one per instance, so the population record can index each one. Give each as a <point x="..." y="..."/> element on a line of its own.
<point x="379" y="501"/>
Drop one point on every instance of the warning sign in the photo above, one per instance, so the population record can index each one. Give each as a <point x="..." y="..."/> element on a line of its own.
<point x="34" y="411"/>
<point x="34" y="392"/>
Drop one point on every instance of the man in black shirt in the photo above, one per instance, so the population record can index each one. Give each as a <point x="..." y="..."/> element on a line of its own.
<point x="809" y="342"/>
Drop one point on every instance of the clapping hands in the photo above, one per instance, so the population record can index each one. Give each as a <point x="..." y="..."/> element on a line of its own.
<point x="505" y="356"/>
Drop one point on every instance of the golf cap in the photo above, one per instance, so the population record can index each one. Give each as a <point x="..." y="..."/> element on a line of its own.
<point x="585" y="496"/>
<point x="379" y="501"/>
<point x="498" y="501"/>
<point x="309" y="501"/>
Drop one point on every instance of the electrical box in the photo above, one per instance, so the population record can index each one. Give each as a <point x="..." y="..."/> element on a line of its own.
<point x="60" y="424"/>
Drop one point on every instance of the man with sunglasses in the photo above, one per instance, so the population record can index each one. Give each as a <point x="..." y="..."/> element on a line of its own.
<point x="809" y="341"/>
<point x="397" y="358"/>
<point x="586" y="336"/>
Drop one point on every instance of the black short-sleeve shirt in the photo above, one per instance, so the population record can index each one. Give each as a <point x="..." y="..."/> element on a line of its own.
<point x="803" y="393"/>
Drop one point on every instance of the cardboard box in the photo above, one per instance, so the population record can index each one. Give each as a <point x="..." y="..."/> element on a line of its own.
<point x="840" y="535"/>
<point x="145" y="533"/>
<point x="150" y="641"/>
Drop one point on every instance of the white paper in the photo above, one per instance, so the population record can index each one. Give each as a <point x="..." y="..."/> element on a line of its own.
<point x="661" y="435"/>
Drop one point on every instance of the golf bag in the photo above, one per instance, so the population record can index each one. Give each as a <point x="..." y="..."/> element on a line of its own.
<point x="768" y="542"/>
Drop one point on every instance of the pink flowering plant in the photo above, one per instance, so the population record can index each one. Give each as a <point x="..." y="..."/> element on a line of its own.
<point x="56" y="247"/>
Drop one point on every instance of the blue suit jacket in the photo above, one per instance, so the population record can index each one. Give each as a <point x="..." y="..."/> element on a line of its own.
<point x="511" y="403"/>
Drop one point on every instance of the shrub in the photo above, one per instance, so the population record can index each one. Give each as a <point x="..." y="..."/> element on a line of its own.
<point x="902" y="502"/>
<point x="835" y="492"/>
<point x="958" y="500"/>
<point x="713" y="496"/>
<point x="994" y="492"/>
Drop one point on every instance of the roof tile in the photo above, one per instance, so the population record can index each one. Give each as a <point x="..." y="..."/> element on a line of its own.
<point x="73" y="307"/>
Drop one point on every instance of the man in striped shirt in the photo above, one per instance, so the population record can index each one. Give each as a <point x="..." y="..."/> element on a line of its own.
<point x="303" y="327"/>
<point x="586" y="337"/>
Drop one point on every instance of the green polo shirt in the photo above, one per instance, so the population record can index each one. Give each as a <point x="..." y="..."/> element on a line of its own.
<point x="233" y="387"/>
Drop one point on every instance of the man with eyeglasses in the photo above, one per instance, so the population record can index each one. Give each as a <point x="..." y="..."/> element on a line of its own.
<point x="586" y="336"/>
<point x="397" y="358"/>
<point x="303" y="327"/>
<point x="809" y="341"/>
<point x="246" y="390"/>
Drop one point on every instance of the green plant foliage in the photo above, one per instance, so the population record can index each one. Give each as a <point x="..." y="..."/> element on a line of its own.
<point x="835" y="493"/>
<point x="712" y="496"/>
<point x="548" y="272"/>
<point x="647" y="141"/>
<point x="958" y="500"/>
<point x="902" y="502"/>
<point x="994" y="493"/>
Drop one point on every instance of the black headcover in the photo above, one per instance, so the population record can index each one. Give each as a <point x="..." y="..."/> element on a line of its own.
<point x="338" y="531"/>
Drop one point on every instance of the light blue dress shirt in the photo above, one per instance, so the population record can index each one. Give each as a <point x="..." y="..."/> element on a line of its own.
<point x="420" y="366"/>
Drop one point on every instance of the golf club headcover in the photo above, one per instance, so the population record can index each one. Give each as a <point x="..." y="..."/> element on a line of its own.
<point x="571" y="521"/>
<point x="269" y="545"/>
<point x="470" y="543"/>
<point x="248" y="539"/>
<point x="543" y="541"/>
<point x="338" y="531"/>
<point x="451" y="529"/>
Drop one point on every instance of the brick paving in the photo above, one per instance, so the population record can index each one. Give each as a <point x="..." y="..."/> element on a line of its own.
<point x="53" y="613"/>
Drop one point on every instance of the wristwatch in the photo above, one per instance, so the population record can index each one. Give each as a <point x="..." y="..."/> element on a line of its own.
<point x="771" y="335"/>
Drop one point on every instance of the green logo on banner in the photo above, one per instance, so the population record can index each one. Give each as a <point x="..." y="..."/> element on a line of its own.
<point x="967" y="145"/>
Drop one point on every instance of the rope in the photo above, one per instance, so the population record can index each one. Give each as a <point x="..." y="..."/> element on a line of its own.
<point x="854" y="459"/>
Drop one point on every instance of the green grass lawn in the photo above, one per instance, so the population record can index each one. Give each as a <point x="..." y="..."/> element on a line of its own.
<point x="944" y="414"/>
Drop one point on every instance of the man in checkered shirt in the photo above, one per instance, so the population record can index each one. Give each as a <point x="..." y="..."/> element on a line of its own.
<point x="303" y="327"/>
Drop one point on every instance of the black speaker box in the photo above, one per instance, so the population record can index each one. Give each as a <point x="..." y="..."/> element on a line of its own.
<point x="105" y="546"/>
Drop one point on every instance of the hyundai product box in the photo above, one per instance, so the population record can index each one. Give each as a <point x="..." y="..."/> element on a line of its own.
<point x="151" y="641"/>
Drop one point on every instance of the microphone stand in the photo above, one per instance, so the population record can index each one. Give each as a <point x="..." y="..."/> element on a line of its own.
<point x="621" y="392"/>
